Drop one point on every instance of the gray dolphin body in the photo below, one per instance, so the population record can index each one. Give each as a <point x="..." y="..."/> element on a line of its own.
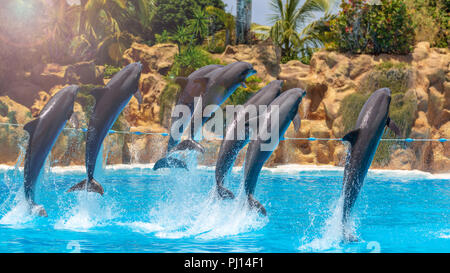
<point x="44" y="131"/>
<point x="110" y="101"/>
<point x="232" y="145"/>
<point x="364" y="140"/>
<point x="257" y="155"/>
<point x="219" y="85"/>
<point x="190" y="89"/>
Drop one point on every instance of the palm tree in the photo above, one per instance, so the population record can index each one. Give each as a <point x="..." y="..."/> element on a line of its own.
<point x="243" y="21"/>
<point x="199" y="24"/>
<point x="181" y="37"/>
<point x="101" y="23"/>
<point x="226" y="18"/>
<point x="291" y="31"/>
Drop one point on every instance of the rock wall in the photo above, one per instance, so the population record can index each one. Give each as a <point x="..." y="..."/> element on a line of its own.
<point x="328" y="80"/>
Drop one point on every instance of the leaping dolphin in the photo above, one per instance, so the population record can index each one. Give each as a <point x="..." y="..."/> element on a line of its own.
<point x="219" y="84"/>
<point x="364" y="140"/>
<point x="231" y="145"/>
<point x="44" y="132"/>
<point x="286" y="106"/>
<point x="189" y="90"/>
<point x="110" y="101"/>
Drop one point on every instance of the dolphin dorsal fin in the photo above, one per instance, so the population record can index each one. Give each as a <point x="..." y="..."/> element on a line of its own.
<point x="297" y="122"/>
<point x="352" y="136"/>
<point x="30" y="127"/>
<point x="99" y="92"/>
<point x="202" y="81"/>
<point x="182" y="82"/>
<point x="391" y="124"/>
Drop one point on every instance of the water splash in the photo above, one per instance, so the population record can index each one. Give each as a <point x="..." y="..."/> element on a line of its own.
<point x="330" y="236"/>
<point x="185" y="212"/>
<point x="89" y="210"/>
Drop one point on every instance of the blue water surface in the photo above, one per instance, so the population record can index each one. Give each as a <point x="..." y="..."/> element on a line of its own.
<point x="176" y="211"/>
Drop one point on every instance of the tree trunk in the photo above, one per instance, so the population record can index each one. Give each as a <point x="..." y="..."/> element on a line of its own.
<point x="243" y="21"/>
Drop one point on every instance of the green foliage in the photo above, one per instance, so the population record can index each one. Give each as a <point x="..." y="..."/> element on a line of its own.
<point x="350" y="108"/>
<point x="162" y="38"/>
<point x="241" y="95"/>
<point x="12" y="117"/>
<point x="362" y="27"/>
<point x="110" y="71"/>
<point x="294" y="29"/>
<point x="167" y="98"/>
<point x="86" y="100"/>
<point x="169" y="14"/>
<point x="3" y="109"/>
<point x="395" y="76"/>
<point x="431" y="20"/>
<point x="189" y="60"/>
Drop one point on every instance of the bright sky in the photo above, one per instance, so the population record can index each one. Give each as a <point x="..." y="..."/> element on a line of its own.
<point x="260" y="10"/>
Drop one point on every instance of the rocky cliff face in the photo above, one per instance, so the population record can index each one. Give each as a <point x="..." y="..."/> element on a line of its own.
<point x="329" y="79"/>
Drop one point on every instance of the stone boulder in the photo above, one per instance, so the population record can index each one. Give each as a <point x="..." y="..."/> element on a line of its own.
<point x="84" y="73"/>
<point x="156" y="59"/>
<point x="265" y="58"/>
<point x="49" y="75"/>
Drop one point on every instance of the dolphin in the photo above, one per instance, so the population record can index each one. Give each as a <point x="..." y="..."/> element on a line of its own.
<point x="110" y="101"/>
<point x="219" y="85"/>
<point x="364" y="140"/>
<point x="44" y="131"/>
<point x="231" y="145"/>
<point x="286" y="105"/>
<point x="189" y="90"/>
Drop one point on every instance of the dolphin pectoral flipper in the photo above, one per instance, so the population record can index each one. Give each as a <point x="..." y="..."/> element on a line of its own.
<point x="169" y="162"/>
<point x="253" y="203"/>
<point x="189" y="144"/>
<point x="92" y="186"/>
<point x="352" y="136"/>
<point x="99" y="92"/>
<point x="297" y="122"/>
<point x="138" y="96"/>
<point x="224" y="193"/>
<point x="391" y="124"/>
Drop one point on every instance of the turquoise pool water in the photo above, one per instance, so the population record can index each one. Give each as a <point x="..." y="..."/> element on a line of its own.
<point x="175" y="211"/>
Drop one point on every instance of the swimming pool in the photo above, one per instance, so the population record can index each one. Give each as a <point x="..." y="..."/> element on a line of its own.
<point x="175" y="211"/>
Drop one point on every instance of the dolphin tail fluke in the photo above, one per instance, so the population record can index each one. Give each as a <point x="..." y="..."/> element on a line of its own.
<point x="224" y="193"/>
<point x="189" y="144"/>
<point x="253" y="203"/>
<point x="92" y="186"/>
<point x="38" y="210"/>
<point x="169" y="162"/>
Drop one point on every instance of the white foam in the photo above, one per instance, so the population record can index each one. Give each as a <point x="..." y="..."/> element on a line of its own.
<point x="280" y="169"/>
<point x="331" y="234"/>
<point x="89" y="211"/>
<point x="19" y="214"/>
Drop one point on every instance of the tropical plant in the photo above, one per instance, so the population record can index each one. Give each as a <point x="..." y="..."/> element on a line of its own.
<point x="191" y="59"/>
<point x="431" y="21"/>
<point x="181" y="37"/>
<point x="199" y="24"/>
<point x="226" y="18"/>
<point x="162" y="38"/>
<point x="169" y="14"/>
<point x="291" y="30"/>
<point x="362" y="27"/>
